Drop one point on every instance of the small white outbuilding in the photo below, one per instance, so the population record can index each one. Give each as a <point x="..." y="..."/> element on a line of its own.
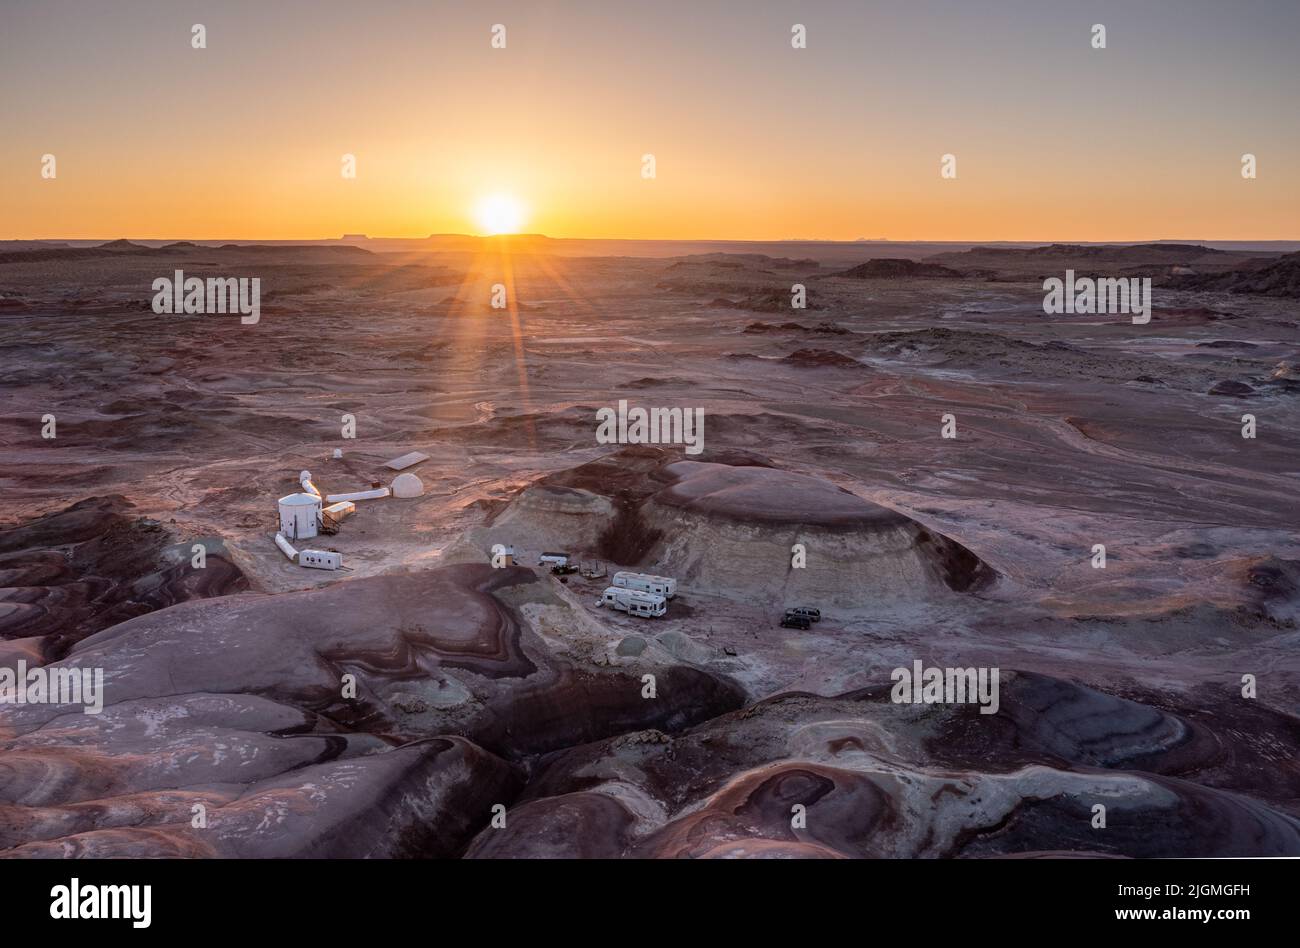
<point x="299" y="516"/>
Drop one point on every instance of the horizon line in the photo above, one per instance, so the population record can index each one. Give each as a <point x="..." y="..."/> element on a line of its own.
<point x="351" y="238"/>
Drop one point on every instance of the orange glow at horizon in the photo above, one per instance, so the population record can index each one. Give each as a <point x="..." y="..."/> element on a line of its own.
<point x="753" y="140"/>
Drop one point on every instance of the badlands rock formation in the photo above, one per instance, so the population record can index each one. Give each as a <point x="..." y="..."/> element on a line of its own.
<point x="730" y="527"/>
<point x="84" y="568"/>
<point x="242" y="705"/>
<point x="878" y="779"/>
<point x="398" y="707"/>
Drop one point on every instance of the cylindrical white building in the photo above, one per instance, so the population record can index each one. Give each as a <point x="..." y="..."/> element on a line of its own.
<point x="299" y="516"/>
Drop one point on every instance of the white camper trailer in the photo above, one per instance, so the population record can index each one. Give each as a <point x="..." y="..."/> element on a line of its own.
<point x="553" y="559"/>
<point x="646" y="582"/>
<point x="299" y="516"/>
<point x="634" y="602"/>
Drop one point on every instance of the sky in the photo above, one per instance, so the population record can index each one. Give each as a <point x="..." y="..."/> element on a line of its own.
<point x="752" y="139"/>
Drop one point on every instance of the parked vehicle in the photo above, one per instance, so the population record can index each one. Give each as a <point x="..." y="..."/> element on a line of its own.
<point x="634" y="602"/>
<point x="646" y="582"/>
<point x="567" y="569"/>
<point x="553" y="559"/>
<point x="808" y="612"/>
<point x="789" y="621"/>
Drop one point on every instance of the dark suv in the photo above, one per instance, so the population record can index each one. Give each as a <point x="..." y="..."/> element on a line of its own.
<point x="808" y="612"/>
<point x="792" y="621"/>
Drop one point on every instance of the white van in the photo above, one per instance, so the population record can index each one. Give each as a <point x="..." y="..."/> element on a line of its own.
<point x="634" y="602"/>
<point x="646" y="582"/>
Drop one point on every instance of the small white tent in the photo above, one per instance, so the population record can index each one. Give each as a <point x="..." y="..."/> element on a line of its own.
<point x="300" y="516"/>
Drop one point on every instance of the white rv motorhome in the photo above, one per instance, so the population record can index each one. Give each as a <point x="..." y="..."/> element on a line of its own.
<point x="634" y="602"/>
<point x="659" y="585"/>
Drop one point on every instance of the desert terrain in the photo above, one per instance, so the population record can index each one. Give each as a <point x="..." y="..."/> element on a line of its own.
<point x="498" y="713"/>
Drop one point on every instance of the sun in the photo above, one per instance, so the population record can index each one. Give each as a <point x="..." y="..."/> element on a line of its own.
<point x="499" y="214"/>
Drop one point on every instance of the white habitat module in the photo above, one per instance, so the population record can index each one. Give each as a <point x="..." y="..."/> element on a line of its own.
<point x="634" y="602"/>
<point x="646" y="582"/>
<point x="320" y="559"/>
<point x="300" y="516"/>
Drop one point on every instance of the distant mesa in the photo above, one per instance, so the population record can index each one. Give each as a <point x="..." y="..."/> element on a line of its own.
<point x="1280" y="278"/>
<point x="487" y="236"/>
<point x="1111" y="252"/>
<point x="1160" y="261"/>
<point x="127" y="248"/>
<point x="1166" y="262"/>
<point x="738" y="261"/>
<point x="476" y="243"/>
<point x="893" y="268"/>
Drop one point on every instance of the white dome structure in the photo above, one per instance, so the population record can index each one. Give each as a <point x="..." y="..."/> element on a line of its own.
<point x="407" y="485"/>
<point x="299" y="516"/>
